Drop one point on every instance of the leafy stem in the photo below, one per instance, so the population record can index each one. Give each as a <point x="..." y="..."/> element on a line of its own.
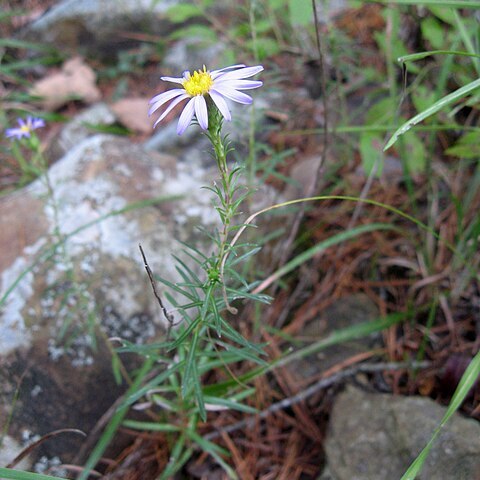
<point x="227" y="206"/>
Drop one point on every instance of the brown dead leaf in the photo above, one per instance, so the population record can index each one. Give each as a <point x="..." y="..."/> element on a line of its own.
<point x="132" y="113"/>
<point x="75" y="81"/>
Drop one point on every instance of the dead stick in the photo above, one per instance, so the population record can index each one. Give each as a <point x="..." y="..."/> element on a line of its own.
<point x="168" y="316"/>
<point x="316" y="387"/>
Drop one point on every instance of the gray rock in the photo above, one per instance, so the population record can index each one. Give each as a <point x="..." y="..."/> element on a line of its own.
<point x="377" y="437"/>
<point x="100" y="175"/>
<point x="98" y="25"/>
<point x="53" y="304"/>
<point x="165" y="138"/>
<point x="191" y="54"/>
<point x="77" y="129"/>
<point x="97" y="285"/>
<point x="10" y="449"/>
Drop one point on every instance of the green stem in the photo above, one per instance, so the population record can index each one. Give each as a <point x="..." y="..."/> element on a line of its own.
<point x="220" y="150"/>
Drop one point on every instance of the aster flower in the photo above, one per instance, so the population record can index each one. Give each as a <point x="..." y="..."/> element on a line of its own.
<point x="25" y="129"/>
<point x="219" y="85"/>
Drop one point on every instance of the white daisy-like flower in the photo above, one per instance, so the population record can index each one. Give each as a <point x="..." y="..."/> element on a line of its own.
<point x="218" y="84"/>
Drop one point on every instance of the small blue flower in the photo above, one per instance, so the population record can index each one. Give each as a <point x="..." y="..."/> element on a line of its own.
<point x="25" y="129"/>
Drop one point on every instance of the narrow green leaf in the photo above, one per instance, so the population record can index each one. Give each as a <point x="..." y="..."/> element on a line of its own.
<point x="235" y="294"/>
<point x="232" y="404"/>
<point x="421" y="55"/>
<point x="339" y="336"/>
<point x="437" y="106"/>
<point x="16" y="43"/>
<point x="333" y="240"/>
<point x="198" y="392"/>
<point x="214" y="450"/>
<point x="242" y="353"/>
<point x="150" y="426"/>
<point x="7" y="473"/>
<point x="231" y="333"/>
<point x="436" y="3"/>
<point x="216" y="317"/>
<point x="207" y="300"/>
<point x="190" y="376"/>
<point x="178" y="458"/>
<point x="467" y="40"/>
<point x="467" y="381"/>
<point x="183" y="335"/>
<point x="140" y="392"/>
<point x="117" y="375"/>
<point x="113" y="425"/>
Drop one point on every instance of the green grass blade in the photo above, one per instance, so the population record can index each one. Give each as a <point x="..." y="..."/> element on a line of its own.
<point x="178" y="458"/>
<point x="333" y="240"/>
<point x="243" y="353"/>
<point x="16" y="43"/>
<point x="181" y="338"/>
<point x="190" y="376"/>
<point x="232" y="334"/>
<point x="198" y="392"/>
<point x="467" y="381"/>
<point x="467" y="40"/>
<point x="421" y="55"/>
<point x="114" y="423"/>
<point x="140" y="392"/>
<point x="437" y="106"/>
<point x="351" y="333"/>
<point x="381" y="129"/>
<point x="340" y="336"/>
<point x="214" y="450"/>
<point x="436" y="3"/>
<point x="150" y="426"/>
<point x="231" y="404"/>
<point x="10" y="474"/>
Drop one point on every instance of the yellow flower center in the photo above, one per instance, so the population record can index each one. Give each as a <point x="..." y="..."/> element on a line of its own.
<point x="199" y="83"/>
<point x="25" y="128"/>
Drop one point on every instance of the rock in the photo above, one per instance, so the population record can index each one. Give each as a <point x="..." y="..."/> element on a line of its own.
<point x="98" y="26"/>
<point x="165" y="138"/>
<point x="79" y="128"/>
<point x="58" y="309"/>
<point x="377" y="437"/>
<point x="345" y="312"/>
<point x="102" y="174"/>
<point x="76" y="80"/>
<point x="9" y="449"/>
<point x="192" y="52"/>
<point x="302" y="176"/>
<point x="97" y="284"/>
<point x="132" y="113"/>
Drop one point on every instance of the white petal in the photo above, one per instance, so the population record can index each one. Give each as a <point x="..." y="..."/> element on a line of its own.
<point x="216" y="73"/>
<point x="234" y="95"/>
<point x="164" y="97"/>
<point x="221" y="104"/>
<point x="201" y="111"/>
<point x="173" y="79"/>
<point x="238" y="84"/>
<point x="186" y="116"/>
<point x="170" y="108"/>
<point x="241" y="73"/>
